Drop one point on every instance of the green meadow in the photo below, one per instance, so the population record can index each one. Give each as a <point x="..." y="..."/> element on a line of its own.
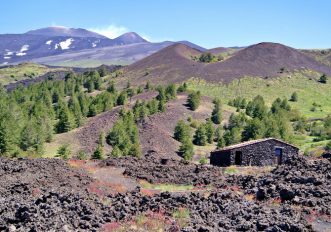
<point x="23" y="71"/>
<point x="314" y="98"/>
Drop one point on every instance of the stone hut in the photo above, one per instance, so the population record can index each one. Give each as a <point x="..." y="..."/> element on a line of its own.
<point x="261" y="152"/>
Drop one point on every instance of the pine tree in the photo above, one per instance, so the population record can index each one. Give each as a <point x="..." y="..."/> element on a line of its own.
<point x="66" y="121"/>
<point x="162" y="95"/>
<point x="75" y="108"/>
<point x="253" y="130"/>
<point x="148" y="86"/>
<point x="116" y="152"/>
<point x="122" y="98"/>
<point x="323" y="78"/>
<point x="92" y="110"/>
<point x="182" y="88"/>
<point x="102" y="71"/>
<point x="98" y="83"/>
<point x="98" y="153"/>
<point x="161" y="106"/>
<point x="256" y="108"/>
<point x="90" y="86"/>
<point x="171" y="91"/>
<point x="153" y="106"/>
<point x="200" y="137"/>
<point x="216" y="115"/>
<point x="220" y="143"/>
<point x="125" y="135"/>
<point x="101" y="139"/>
<point x="193" y="100"/>
<point x="218" y="133"/>
<point x="112" y="88"/>
<point x="84" y="104"/>
<point x="182" y="131"/>
<point x="294" y="97"/>
<point x="186" y="148"/>
<point x="232" y="136"/>
<point x="7" y="140"/>
<point x="209" y="131"/>
<point x="135" y="150"/>
<point x="64" y="151"/>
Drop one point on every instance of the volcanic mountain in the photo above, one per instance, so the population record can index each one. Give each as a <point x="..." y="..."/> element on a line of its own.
<point x="129" y="38"/>
<point x="264" y="60"/>
<point x="171" y="64"/>
<point x="176" y="63"/>
<point x="65" y="31"/>
<point x="76" y="47"/>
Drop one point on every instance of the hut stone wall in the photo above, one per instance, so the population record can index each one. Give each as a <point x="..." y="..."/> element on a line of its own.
<point x="255" y="154"/>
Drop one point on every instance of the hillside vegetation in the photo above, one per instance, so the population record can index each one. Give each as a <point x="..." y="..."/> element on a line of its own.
<point x="23" y="71"/>
<point x="309" y="91"/>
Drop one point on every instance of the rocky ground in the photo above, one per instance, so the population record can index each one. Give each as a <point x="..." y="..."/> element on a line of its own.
<point x="50" y="195"/>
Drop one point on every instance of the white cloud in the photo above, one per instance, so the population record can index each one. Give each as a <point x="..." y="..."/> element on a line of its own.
<point x="154" y="39"/>
<point x="112" y="31"/>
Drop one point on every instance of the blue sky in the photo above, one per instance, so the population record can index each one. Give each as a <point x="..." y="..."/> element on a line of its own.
<point x="300" y="24"/>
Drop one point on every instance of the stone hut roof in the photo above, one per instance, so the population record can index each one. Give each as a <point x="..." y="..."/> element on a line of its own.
<point x="250" y="142"/>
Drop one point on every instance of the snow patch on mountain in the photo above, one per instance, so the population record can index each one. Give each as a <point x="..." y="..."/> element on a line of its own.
<point x="23" y="50"/>
<point x="66" y="44"/>
<point x="9" y="53"/>
<point x="49" y="42"/>
<point x="95" y="43"/>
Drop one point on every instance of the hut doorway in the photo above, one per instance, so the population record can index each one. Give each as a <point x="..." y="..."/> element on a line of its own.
<point x="279" y="155"/>
<point x="238" y="158"/>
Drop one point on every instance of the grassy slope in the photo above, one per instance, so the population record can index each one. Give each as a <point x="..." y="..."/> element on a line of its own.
<point x="88" y="63"/>
<point x="309" y="91"/>
<point x="22" y="71"/>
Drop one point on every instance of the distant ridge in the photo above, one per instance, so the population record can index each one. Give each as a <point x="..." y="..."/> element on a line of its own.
<point x="76" y="47"/>
<point x="64" y="31"/>
<point x="175" y="64"/>
<point x="129" y="38"/>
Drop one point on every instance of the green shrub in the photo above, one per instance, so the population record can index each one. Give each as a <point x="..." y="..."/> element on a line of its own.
<point x="182" y="131"/>
<point x="294" y="97"/>
<point x="98" y="153"/>
<point x="82" y="155"/>
<point x="186" y="148"/>
<point x="203" y="160"/>
<point x="200" y="137"/>
<point x="323" y="79"/>
<point x="193" y="100"/>
<point x="64" y="151"/>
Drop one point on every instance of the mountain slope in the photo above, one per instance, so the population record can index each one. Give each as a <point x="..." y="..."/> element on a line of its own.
<point x="78" y="47"/>
<point x="24" y="47"/>
<point x="192" y="45"/>
<point x="172" y="64"/>
<point x="263" y="60"/>
<point x="129" y="38"/>
<point x="125" y="54"/>
<point x="64" y="31"/>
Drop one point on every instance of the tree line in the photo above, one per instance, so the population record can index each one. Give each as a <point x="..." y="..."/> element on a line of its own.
<point x="30" y="116"/>
<point x="124" y="135"/>
<point x="253" y="120"/>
